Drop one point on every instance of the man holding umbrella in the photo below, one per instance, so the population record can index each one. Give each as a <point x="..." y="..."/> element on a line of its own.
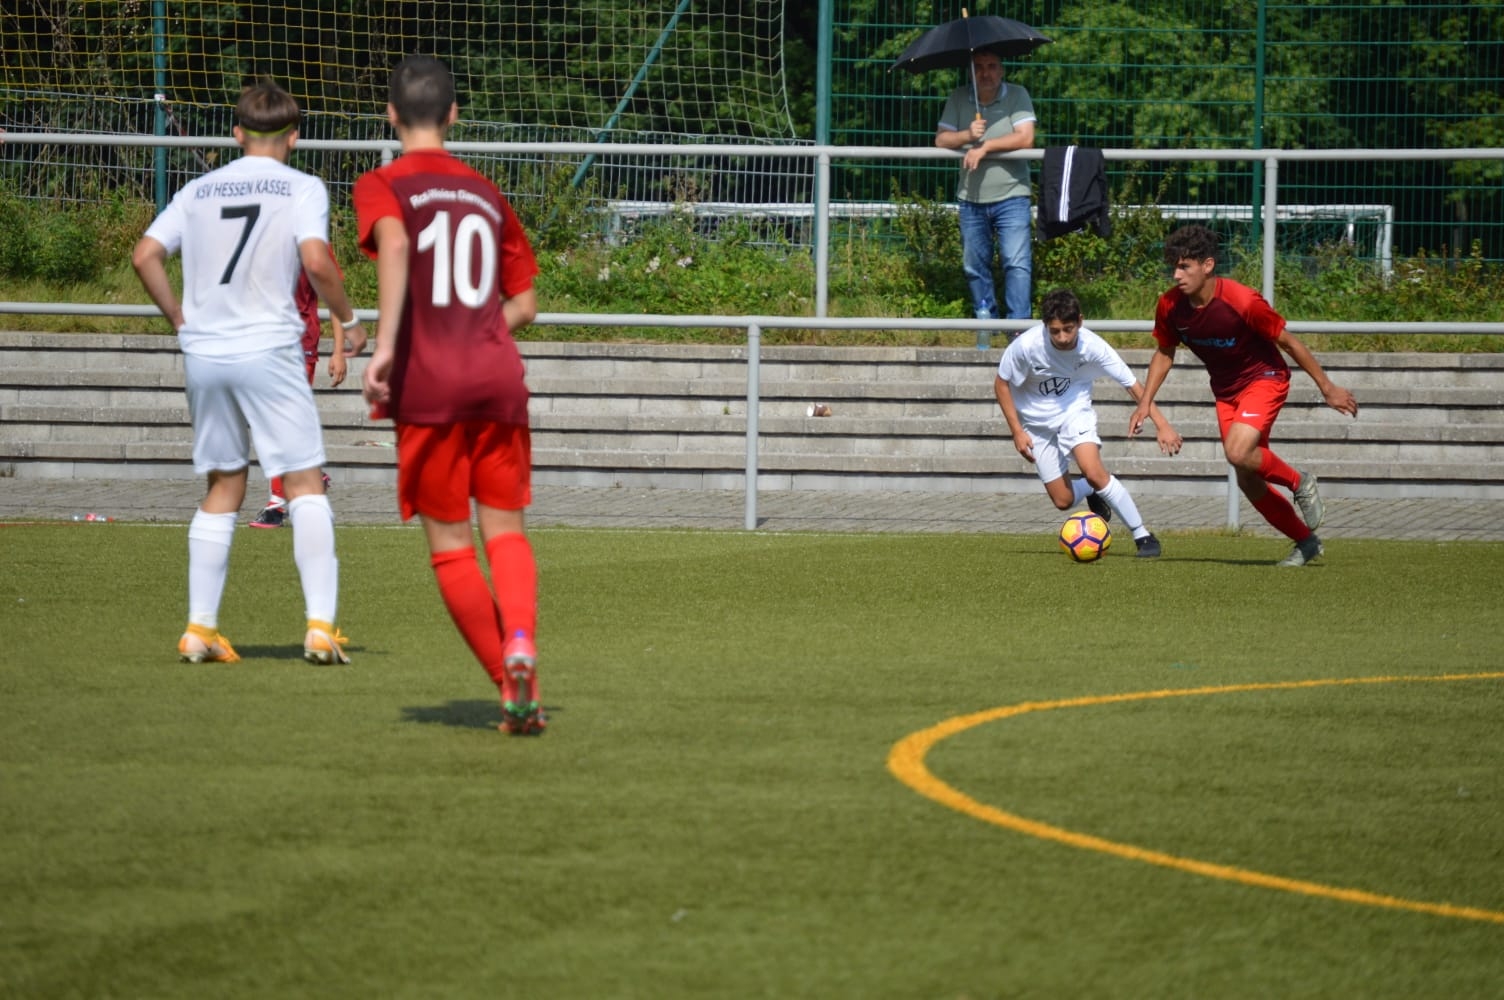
<point x="988" y="117"/>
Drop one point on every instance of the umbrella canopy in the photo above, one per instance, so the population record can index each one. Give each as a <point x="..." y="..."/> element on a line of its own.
<point x="952" y="43"/>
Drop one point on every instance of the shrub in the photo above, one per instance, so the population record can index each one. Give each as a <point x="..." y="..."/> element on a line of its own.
<point x="18" y="239"/>
<point x="684" y="263"/>
<point x="68" y="251"/>
<point x="931" y="246"/>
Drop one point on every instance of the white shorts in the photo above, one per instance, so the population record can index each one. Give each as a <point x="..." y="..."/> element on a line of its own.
<point x="1053" y="447"/>
<point x="262" y="398"/>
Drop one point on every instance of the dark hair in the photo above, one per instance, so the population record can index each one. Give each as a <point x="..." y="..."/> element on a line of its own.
<point x="1060" y="304"/>
<point x="1193" y="242"/>
<point x="422" y="91"/>
<point x="266" y="109"/>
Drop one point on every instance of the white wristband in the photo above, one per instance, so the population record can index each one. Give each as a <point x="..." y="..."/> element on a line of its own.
<point x="354" y="322"/>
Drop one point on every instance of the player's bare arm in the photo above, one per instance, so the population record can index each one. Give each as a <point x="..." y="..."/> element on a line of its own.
<point x="323" y="275"/>
<point x="1169" y="438"/>
<point x="1336" y="397"/>
<point x="520" y="310"/>
<point x="1159" y="367"/>
<point x="1022" y="441"/>
<point x="392" y="247"/>
<point x="150" y="261"/>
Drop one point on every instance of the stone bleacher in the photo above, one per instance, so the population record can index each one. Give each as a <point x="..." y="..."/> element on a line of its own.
<point x="100" y="406"/>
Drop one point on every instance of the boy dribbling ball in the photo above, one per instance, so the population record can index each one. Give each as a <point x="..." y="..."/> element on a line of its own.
<point x="1043" y="386"/>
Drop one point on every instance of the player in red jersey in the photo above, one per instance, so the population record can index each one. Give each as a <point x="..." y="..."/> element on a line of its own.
<point x="274" y="514"/>
<point x="455" y="278"/>
<point x="1239" y="336"/>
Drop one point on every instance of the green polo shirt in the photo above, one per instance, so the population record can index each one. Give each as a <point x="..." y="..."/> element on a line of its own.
<point x="997" y="178"/>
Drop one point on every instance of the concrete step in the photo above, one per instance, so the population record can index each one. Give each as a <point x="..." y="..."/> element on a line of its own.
<point x="675" y="415"/>
<point x="1328" y="436"/>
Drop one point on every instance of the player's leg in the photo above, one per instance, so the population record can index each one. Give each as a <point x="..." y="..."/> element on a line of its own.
<point x="514" y="571"/>
<point x="1067" y="492"/>
<point x="1076" y="430"/>
<point x="274" y="514"/>
<point x="1111" y="491"/>
<point x="311" y="333"/>
<point x="466" y="593"/>
<point x="501" y="481"/>
<point x="1245" y="439"/>
<point x="284" y="423"/>
<point x="1052" y="465"/>
<point x="210" y="535"/>
<point x="221" y="453"/>
<point x="1267" y="398"/>
<point x="1256" y="408"/>
<point x="1280" y="513"/>
<point x="514" y="575"/>
<point x="433" y="482"/>
<point x="312" y="519"/>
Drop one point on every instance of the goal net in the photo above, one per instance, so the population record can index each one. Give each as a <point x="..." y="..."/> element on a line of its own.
<point x="659" y="71"/>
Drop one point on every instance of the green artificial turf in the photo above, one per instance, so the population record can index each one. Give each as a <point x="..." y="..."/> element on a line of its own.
<point x="712" y="812"/>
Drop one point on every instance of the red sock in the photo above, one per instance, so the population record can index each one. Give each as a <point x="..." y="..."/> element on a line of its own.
<point x="467" y="596"/>
<point x="1273" y="469"/>
<point x="277" y="496"/>
<point x="514" y="574"/>
<point x="1281" y="514"/>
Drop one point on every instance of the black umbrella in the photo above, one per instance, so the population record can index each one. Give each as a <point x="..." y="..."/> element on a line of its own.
<point x="952" y="43"/>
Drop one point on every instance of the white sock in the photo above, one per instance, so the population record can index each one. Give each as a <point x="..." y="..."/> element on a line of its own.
<point x="313" y="550"/>
<point x="1080" y="490"/>
<point x="209" y="538"/>
<point x="1116" y="495"/>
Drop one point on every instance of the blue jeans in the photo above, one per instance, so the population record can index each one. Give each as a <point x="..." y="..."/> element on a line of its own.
<point x="1006" y="223"/>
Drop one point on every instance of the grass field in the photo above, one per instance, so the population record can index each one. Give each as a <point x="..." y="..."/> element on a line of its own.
<point x="790" y="765"/>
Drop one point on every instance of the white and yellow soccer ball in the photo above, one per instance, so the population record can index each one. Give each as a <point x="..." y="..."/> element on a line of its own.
<point x="1085" y="536"/>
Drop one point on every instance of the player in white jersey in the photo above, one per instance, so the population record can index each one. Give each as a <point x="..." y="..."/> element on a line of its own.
<point x="1043" y="386"/>
<point x="245" y="232"/>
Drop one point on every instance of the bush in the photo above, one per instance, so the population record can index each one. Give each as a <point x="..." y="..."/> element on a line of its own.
<point x="68" y="251"/>
<point x="18" y="240"/>
<point x="931" y="248"/>
<point x="685" y="263"/>
<point x="67" y="244"/>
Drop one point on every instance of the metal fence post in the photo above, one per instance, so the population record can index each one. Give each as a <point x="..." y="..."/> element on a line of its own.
<point x="822" y="234"/>
<point x="1270" y="221"/>
<point x="754" y="352"/>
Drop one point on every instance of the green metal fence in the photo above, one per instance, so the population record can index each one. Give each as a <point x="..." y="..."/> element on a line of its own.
<point x="1131" y="74"/>
<point x="1369" y="74"/>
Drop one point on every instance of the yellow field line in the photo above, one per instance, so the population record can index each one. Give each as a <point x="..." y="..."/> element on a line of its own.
<point x="906" y="762"/>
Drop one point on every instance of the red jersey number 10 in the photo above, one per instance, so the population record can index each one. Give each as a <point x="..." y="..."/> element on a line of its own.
<point x="454" y="271"/>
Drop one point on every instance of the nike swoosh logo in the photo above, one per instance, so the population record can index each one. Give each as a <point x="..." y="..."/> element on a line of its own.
<point x="1251" y="416"/>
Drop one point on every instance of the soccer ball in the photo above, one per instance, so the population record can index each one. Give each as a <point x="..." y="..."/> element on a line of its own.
<point x="1084" y="536"/>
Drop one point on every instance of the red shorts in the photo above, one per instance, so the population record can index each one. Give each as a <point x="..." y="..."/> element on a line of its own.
<point x="1257" y="406"/>
<point x="440" y="468"/>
